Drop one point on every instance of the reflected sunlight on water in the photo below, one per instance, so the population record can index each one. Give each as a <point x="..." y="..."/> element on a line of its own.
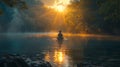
<point x="75" y="51"/>
<point x="58" y="58"/>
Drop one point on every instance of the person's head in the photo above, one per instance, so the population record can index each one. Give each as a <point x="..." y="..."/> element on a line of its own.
<point x="60" y="31"/>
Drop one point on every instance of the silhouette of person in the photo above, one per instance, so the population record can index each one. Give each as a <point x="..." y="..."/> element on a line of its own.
<point x="60" y="35"/>
<point x="60" y="38"/>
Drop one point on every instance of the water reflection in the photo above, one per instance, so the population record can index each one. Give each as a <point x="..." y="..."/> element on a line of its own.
<point x="58" y="58"/>
<point x="73" y="51"/>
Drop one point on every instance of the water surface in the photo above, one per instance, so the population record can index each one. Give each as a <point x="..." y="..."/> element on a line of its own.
<point x="76" y="50"/>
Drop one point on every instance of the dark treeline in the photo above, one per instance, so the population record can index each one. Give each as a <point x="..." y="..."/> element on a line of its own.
<point x="23" y="16"/>
<point x="86" y="16"/>
<point x="15" y="3"/>
<point x="7" y="12"/>
<point x="94" y="16"/>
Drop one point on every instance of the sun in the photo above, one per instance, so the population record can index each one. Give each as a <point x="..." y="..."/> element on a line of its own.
<point x="60" y="5"/>
<point x="59" y="8"/>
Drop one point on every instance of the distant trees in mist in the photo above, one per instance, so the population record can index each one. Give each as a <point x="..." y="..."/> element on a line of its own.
<point x="94" y="16"/>
<point x="86" y="16"/>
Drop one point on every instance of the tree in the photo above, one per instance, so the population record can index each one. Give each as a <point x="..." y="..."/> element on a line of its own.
<point x="81" y="16"/>
<point x="1" y="11"/>
<point x="14" y="3"/>
<point x="109" y="10"/>
<point x="90" y="16"/>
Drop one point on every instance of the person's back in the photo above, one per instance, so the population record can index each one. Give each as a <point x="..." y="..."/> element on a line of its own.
<point x="60" y="35"/>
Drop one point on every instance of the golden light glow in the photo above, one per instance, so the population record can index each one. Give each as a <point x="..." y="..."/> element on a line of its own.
<point x="59" y="8"/>
<point x="60" y="5"/>
<point x="59" y="56"/>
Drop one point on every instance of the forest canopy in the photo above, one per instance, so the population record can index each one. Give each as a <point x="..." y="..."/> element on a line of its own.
<point x="94" y="16"/>
<point x="14" y="3"/>
<point x="84" y="16"/>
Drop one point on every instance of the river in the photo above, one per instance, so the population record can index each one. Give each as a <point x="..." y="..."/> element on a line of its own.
<point x="75" y="51"/>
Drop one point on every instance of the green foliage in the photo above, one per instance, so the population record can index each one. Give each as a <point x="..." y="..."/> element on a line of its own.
<point x="10" y="3"/>
<point x="24" y="6"/>
<point x="15" y="3"/>
<point x="1" y="11"/>
<point x="90" y="16"/>
<point x="77" y="16"/>
<point x="109" y="10"/>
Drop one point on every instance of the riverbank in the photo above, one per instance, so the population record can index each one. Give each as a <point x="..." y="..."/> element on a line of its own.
<point x="14" y="60"/>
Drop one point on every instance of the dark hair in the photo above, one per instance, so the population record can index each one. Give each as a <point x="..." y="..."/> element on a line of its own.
<point x="60" y="31"/>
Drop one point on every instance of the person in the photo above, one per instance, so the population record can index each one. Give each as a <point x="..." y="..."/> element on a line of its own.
<point x="60" y="38"/>
<point x="60" y="35"/>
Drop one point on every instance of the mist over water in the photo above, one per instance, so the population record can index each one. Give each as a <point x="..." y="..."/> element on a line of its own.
<point x="36" y="18"/>
<point x="32" y="32"/>
<point x="14" y="20"/>
<point x="74" y="50"/>
<point x="16" y="23"/>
